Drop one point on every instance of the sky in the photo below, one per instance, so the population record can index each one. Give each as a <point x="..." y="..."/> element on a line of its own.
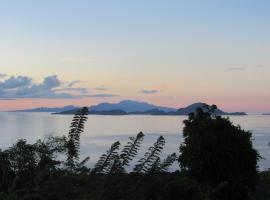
<point x="170" y="53"/>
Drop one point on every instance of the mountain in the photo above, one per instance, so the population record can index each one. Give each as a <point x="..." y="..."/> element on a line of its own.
<point x="94" y="112"/>
<point x="129" y="106"/>
<point x="47" y="109"/>
<point x="150" y="112"/>
<point x="192" y="108"/>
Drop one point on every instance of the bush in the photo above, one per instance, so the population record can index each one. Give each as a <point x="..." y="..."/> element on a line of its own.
<point x="219" y="155"/>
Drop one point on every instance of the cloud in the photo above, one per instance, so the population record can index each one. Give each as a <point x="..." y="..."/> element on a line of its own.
<point x="16" y="87"/>
<point x="236" y="69"/>
<point x="101" y="88"/>
<point x="72" y="83"/>
<point x="149" y="91"/>
<point x="70" y="87"/>
<point x="260" y="66"/>
<point x="50" y="87"/>
<point x="2" y="75"/>
<point x="5" y="99"/>
<point x="15" y="82"/>
<point x="103" y="95"/>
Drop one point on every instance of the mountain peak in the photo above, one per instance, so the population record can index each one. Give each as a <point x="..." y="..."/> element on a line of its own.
<point x="129" y="106"/>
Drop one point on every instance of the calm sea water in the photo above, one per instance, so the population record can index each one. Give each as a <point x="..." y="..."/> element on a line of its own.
<point x="102" y="131"/>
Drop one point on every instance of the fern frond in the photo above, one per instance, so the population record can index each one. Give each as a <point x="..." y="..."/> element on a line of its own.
<point x="167" y="162"/>
<point x="82" y="163"/>
<point x="116" y="166"/>
<point x="106" y="160"/>
<point x="130" y="150"/>
<point x="73" y="141"/>
<point x="150" y="157"/>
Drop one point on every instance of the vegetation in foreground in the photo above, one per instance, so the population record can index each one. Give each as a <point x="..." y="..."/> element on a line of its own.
<point x="216" y="162"/>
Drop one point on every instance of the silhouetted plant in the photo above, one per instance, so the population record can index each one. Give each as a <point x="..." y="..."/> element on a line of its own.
<point x="6" y="174"/>
<point x="219" y="155"/>
<point x="151" y="157"/>
<point x="168" y="162"/>
<point x="107" y="160"/>
<point x="47" y="151"/>
<point x="128" y="153"/>
<point x="161" y="167"/>
<point x="130" y="150"/>
<point x="22" y="157"/>
<point x="73" y="140"/>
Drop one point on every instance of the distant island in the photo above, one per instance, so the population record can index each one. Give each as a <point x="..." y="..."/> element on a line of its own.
<point x="50" y="110"/>
<point x="130" y="107"/>
<point x="266" y="114"/>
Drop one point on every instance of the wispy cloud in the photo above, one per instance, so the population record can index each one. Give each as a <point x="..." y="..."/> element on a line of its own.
<point x="149" y="91"/>
<point x="260" y="66"/>
<point x="6" y="99"/>
<point x="101" y="88"/>
<point x="103" y="95"/>
<point x="72" y="83"/>
<point x="236" y="69"/>
<point x="71" y="89"/>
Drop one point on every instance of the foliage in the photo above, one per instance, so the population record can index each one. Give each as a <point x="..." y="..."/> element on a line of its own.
<point x="149" y="162"/>
<point x="164" y="166"/>
<point x="107" y="160"/>
<point x="217" y="162"/>
<point x="73" y="142"/>
<point x="131" y="149"/>
<point x="263" y="186"/>
<point x="219" y="155"/>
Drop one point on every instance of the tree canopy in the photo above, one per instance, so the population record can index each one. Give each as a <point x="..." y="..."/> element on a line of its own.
<point x="218" y="154"/>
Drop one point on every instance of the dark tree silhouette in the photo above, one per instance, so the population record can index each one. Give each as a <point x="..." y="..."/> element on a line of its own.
<point x="219" y="155"/>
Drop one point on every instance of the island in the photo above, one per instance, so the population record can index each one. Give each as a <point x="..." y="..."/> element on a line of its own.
<point x="127" y="108"/>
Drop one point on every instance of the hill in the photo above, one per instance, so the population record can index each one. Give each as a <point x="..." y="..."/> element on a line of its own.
<point x="48" y="109"/>
<point x="128" y="108"/>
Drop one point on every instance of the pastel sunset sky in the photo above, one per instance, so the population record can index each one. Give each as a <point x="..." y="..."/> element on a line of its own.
<point x="170" y="53"/>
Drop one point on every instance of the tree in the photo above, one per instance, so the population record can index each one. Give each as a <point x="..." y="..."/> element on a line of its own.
<point x="219" y="155"/>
